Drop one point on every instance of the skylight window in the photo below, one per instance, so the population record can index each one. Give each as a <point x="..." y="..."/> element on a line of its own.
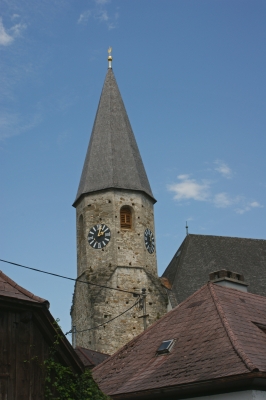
<point x="261" y="327"/>
<point x="165" y="346"/>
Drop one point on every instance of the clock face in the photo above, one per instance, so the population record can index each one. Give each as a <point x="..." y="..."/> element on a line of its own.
<point x="149" y="241"/>
<point x="99" y="236"/>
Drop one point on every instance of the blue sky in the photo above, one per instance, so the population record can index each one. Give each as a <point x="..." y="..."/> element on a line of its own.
<point x="192" y="76"/>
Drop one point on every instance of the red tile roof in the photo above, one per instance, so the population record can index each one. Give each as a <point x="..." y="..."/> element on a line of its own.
<point x="9" y="288"/>
<point x="216" y="336"/>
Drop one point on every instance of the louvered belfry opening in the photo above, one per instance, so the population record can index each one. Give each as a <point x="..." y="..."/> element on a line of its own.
<point x="125" y="218"/>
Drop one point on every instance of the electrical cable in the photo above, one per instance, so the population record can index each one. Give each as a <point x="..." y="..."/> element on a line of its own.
<point x="104" y="323"/>
<point x="71" y="279"/>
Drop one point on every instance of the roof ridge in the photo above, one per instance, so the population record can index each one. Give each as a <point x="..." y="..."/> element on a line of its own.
<point x="190" y="297"/>
<point x="109" y="138"/>
<point x="225" y="236"/>
<point x="233" y="339"/>
<point x="182" y="248"/>
<point x="22" y="290"/>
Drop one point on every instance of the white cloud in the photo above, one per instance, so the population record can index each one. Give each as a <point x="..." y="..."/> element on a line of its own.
<point x="17" y="29"/>
<point x="242" y="210"/>
<point x="5" y="38"/>
<point x="248" y="207"/>
<point x="12" y="124"/>
<point x="84" y="16"/>
<point x="190" y="189"/>
<point x="183" y="177"/>
<point x="103" y="15"/>
<point x="223" y="200"/>
<point x="111" y="25"/>
<point x="223" y="169"/>
<point x="255" y="204"/>
<point x="100" y="13"/>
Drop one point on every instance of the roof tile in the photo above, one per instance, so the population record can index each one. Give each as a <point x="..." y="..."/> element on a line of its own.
<point x="9" y="288"/>
<point x="214" y="338"/>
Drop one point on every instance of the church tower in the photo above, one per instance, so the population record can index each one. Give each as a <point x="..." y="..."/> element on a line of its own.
<point x="115" y="233"/>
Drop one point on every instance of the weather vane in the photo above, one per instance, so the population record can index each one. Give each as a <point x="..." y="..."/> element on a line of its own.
<point x="110" y="58"/>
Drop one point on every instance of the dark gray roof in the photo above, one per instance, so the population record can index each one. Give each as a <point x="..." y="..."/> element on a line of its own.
<point x="113" y="159"/>
<point x="199" y="255"/>
<point x="90" y="358"/>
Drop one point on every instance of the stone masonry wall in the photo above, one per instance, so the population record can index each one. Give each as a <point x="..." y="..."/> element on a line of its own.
<point x="126" y="247"/>
<point x="124" y="263"/>
<point x="93" y="307"/>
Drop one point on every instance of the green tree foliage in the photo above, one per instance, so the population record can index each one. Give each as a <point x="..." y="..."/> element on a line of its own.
<point x="61" y="383"/>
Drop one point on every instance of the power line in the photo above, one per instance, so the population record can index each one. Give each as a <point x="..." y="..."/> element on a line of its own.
<point x="70" y="279"/>
<point x="104" y="323"/>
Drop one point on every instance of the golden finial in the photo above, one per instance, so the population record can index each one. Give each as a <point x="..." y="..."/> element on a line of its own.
<point x="110" y="58"/>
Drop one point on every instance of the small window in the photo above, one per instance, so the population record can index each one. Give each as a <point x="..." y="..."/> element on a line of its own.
<point x="261" y="327"/>
<point x="165" y="347"/>
<point x="178" y="253"/>
<point x="125" y="218"/>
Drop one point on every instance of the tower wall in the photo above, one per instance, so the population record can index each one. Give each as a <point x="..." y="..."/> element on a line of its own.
<point x="126" y="247"/>
<point x="124" y="263"/>
<point x="93" y="306"/>
<point x="113" y="162"/>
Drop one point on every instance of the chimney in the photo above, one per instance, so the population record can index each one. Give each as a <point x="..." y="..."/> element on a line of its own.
<point x="229" y="279"/>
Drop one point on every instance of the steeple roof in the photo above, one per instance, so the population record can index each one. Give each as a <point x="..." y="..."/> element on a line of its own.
<point x="113" y="159"/>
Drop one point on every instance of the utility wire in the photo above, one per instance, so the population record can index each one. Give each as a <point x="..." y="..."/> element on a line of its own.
<point x="71" y="279"/>
<point x="107" y="322"/>
<point x="88" y="283"/>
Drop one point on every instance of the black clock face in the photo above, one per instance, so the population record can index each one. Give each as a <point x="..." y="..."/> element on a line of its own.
<point x="149" y="241"/>
<point x="99" y="236"/>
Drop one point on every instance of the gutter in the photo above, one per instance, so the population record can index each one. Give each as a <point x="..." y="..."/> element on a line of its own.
<point x="253" y="380"/>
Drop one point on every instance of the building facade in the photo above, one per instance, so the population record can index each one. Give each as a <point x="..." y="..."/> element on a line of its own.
<point x="27" y="335"/>
<point x="115" y="233"/>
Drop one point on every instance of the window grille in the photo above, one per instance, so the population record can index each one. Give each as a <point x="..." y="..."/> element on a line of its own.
<point x="125" y="218"/>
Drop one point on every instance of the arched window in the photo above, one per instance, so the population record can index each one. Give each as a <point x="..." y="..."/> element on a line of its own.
<point x="125" y="218"/>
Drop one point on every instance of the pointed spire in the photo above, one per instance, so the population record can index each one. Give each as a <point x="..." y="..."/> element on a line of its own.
<point x="113" y="159"/>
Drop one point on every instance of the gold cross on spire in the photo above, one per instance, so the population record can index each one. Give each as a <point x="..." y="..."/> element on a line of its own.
<point x="110" y="58"/>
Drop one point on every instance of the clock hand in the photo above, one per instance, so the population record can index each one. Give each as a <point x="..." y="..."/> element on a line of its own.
<point x="99" y="231"/>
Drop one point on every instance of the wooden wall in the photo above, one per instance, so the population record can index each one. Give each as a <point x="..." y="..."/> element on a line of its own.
<point x="25" y="340"/>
